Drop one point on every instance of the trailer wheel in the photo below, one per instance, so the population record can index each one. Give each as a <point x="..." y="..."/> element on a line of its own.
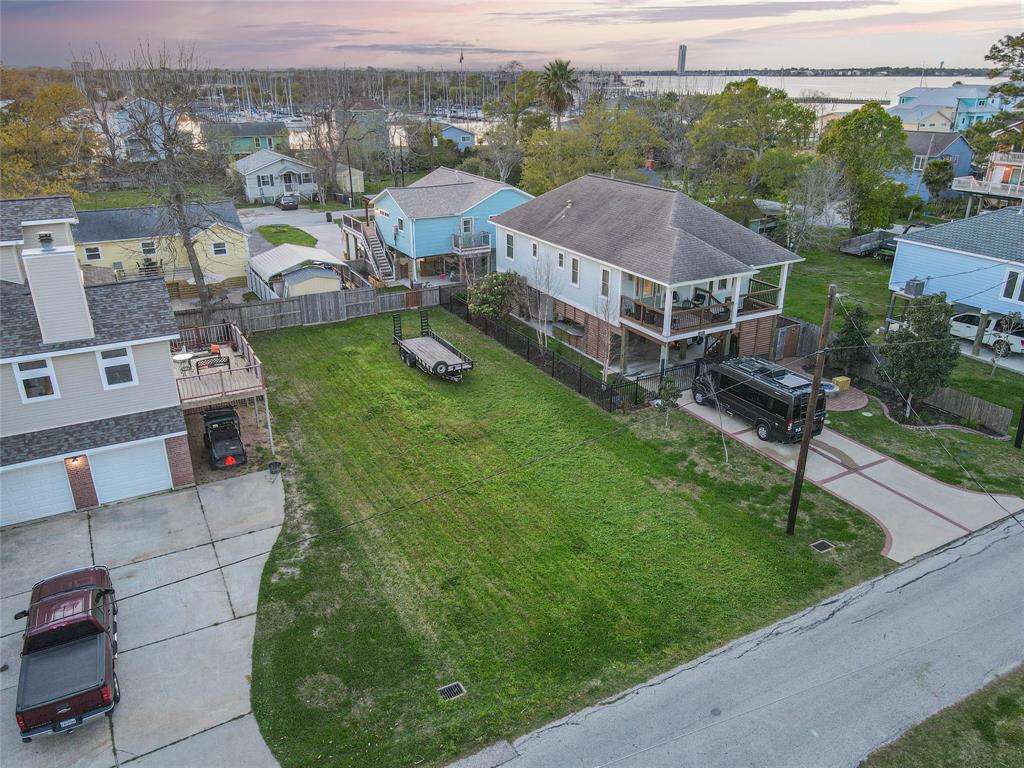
<point x="440" y="369"/>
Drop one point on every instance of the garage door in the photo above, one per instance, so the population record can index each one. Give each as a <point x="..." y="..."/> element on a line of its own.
<point x="132" y="471"/>
<point x="35" y="491"/>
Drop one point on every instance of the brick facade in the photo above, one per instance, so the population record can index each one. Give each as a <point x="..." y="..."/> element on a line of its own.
<point x="180" y="460"/>
<point x="80" y="477"/>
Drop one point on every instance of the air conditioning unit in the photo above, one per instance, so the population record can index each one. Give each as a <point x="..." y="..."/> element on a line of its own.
<point x="914" y="287"/>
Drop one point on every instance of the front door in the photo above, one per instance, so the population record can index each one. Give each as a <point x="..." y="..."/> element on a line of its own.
<point x="289" y="180"/>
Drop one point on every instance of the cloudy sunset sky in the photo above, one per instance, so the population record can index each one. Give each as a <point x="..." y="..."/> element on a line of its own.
<point x="616" y="34"/>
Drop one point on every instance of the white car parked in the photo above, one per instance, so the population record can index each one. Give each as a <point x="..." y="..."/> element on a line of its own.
<point x="965" y="326"/>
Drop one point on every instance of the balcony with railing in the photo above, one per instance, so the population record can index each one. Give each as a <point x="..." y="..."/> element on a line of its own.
<point x="471" y="244"/>
<point x="993" y="188"/>
<point x="215" y="364"/>
<point x="701" y="312"/>
<point x="760" y="297"/>
<point x="1007" y="158"/>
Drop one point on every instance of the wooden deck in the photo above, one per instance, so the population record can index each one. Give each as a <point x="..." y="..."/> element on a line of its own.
<point x="209" y="386"/>
<point x="431" y="351"/>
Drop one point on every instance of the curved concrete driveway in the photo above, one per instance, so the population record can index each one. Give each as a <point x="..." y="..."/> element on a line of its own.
<point x="328" y="235"/>
<point x="918" y="513"/>
<point x="185" y="654"/>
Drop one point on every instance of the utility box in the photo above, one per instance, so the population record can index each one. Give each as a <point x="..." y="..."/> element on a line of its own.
<point x="842" y="382"/>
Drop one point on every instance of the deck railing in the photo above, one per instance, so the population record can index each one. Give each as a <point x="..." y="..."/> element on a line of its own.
<point x="760" y="296"/>
<point x="683" y="319"/>
<point x="978" y="187"/>
<point x="474" y="242"/>
<point x="1014" y="158"/>
<point x="219" y="383"/>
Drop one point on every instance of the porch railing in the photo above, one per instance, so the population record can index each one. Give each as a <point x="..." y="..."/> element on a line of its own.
<point x="1015" y="158"/>
<point x="246" y="375"/>
<point x="760" y="296"/>
<point x="683" y="318"/>
<point x="474" y="242"/>
<point x="998" y="188"/>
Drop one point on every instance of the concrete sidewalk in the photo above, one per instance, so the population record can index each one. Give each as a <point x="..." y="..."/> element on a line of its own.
<point x="918" y="513"/>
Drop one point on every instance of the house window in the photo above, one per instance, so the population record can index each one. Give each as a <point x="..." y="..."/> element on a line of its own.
<point x="36" y="380"/>
<point x="467" y="226"/>
<point x="117" y="368"/>
<point x="1013" y="289"/>
<point x="256" y="141"/>
<point x="723" y="283"/>
<point x="920" y="161"/>
<point x="509" y="244"/>
<point x="533" y="250"/>
<point x="575" y="279"/>
<point x="220" y="249"/>
<point x="401" y="224"/>
<point x="148" y="248"/>
<point x="307" y="178"/>
<point x="606" y="282"/>
<point x="383" y="214"/>
<point x="270" y="142"/>
<point x="265" y="180"/>
<point x="92" y="253"/>
<point x="561" y="260"/>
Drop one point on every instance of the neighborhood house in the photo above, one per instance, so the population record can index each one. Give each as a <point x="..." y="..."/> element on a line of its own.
<point x="429" y="231"/>
<point x="266" y="175"/>
<point x="927" y="146"/>
<point x="244" y="138"/>
<point x="91" y="412"/>
<point x="143" y="242"/>
<point x="634" y="272"/>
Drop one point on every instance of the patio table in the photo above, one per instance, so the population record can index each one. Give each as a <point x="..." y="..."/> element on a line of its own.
<point x="184" y="361"/>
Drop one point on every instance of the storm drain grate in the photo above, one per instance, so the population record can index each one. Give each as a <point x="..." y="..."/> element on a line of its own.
<point x="822" y="546"/>
<point x="452" y="691"/>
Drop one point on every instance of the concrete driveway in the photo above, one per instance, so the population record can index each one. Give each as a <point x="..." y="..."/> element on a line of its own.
<point x="185" y="651"/>
<point x="918" y="513"/>
<point x="328" y="235"/>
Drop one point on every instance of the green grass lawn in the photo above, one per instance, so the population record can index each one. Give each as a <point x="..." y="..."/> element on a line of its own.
<point x="863" y="281"/>
<point x="132" y="198"/>
<point x="373" y="186"/>
<point x="1003" y="387"/>
<point x="542" y="589"/>
<point x="986" y="729"/>
<point x="995" y="463"/>
<point x="278" y="234"/>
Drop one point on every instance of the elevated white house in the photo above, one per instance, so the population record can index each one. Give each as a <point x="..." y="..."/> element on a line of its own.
<point x="266" y="175"/>
<point x="637" y="274"/>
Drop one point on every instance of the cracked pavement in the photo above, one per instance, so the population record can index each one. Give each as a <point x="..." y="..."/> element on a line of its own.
<point x="824" y="687"/>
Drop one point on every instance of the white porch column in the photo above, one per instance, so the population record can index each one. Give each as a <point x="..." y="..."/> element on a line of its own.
<point x="736" y="298"/>
<point x="415" y="272"/>
<point x="666" y="324"/>
<point x="783" y="277"/>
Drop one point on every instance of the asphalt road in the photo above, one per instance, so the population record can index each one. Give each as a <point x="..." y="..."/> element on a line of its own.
<point x="822" y="688"/>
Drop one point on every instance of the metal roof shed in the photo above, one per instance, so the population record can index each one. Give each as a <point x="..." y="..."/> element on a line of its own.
<point x="265" y="267"/>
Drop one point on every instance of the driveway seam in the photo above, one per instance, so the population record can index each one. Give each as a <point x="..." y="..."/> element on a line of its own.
<point x="216" y="556"/>
<point x="855" y="470"/>
<point x="915" y="502"/>
<point x="186" y="738"/>
<point x="151" y="643"/>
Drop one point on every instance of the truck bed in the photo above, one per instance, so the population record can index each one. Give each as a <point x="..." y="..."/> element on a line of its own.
<point x="60" y="672"/>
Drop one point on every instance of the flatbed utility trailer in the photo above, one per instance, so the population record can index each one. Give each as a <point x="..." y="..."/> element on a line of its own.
<point x="864" y="245"/>
<point x="429" y="352"/>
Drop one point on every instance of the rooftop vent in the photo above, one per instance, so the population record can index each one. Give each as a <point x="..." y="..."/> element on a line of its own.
<point x="451" y="691"/>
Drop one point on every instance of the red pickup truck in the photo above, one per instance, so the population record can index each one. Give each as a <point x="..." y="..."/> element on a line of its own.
<point x="67" y="653"/>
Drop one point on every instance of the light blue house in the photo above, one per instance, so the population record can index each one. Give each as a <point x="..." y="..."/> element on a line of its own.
<point x="138" y="130"/>
<point x="977" y="262"/>
<point x="932" y="145"/>
<point x="436" y="226"/>
<point x="463" y="139"/>
<point x="964" y="105"/>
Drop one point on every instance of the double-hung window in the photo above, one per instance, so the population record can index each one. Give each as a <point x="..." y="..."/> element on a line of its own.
<point x="256" y="141"/>
<point x="148" y="247"/>
<point x="401" y="224"/>
<point x="117" y="367"/>
<point x="307" y="178"/>
<point x="606" y="282"/>
<point x="920" y="161"/>
<point x="510" y="248"/>
<point x="561" y="260"/>
<point x="1013" y="288"/>
<point x="36" y="380"/>
<point x="533" y="250"/>
<point x="220" y="249"/>
<point x="92" y="253"/>
<point x="575" y="279"/>
<point x="467" y="225"/>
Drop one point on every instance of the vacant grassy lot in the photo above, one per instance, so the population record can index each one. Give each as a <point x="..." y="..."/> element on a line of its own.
<point x="986" y="729"/>
<point x="863" y="281"/>
<point x="541" y="589"/>
<point x="1003" y="387"/>
<point x="995" y="463"/>
<point x="278" y="234"/>
<point x="132" y="198"/>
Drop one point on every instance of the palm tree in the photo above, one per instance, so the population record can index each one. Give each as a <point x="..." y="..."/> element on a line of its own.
<point x="558" y="83"/>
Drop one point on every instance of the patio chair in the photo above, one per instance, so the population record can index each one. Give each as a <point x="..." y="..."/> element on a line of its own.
<point x="699" y="299"/>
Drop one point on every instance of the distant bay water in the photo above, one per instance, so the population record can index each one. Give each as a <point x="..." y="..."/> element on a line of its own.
<point x="884" y="89"/>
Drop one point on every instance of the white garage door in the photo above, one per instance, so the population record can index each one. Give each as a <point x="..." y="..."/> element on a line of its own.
<point x="121" y="473"/>
<point x="36" y="491"/>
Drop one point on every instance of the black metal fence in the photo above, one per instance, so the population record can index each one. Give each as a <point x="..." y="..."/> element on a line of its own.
<point x="618" y="393"/>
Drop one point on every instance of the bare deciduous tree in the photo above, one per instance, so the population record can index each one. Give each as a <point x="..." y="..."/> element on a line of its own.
<point x="164" y="158"/>
<point x="545" y="280"/>
<point x="604" y="308"/>
<point x="812" y="201"/>
<point x="96" y="77"/>
<point x="503" y="150"/>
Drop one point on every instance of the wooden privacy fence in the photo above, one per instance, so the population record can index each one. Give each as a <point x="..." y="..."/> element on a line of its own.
<point x="313" y="309"/>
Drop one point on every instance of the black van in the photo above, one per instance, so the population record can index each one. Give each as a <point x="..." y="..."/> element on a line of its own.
<point x="772" y="397"/>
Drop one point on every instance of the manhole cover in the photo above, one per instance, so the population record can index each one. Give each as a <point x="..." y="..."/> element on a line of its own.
<point x="822" y="546"/>
<point x="451" y="691"/>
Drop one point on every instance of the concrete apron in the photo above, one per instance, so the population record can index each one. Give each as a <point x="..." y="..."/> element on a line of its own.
<point x="185" y="651"/>
<point x="917" y="513"/>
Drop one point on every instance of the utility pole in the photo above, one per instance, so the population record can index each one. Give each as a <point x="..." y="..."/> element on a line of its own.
<point x="812" y="405"/>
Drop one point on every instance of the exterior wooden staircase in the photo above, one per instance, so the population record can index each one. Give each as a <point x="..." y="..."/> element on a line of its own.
<point x="379" y="262"/>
